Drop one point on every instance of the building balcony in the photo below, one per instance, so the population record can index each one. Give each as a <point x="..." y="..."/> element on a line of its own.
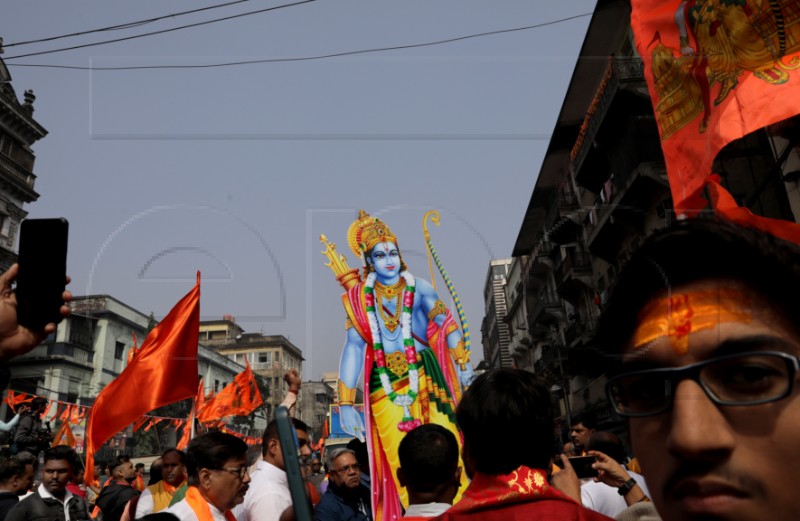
<point x="634" y="194"/>
<point x="574" y="274"/>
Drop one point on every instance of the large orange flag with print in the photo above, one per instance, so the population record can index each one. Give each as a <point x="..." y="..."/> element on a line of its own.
<point x="717" y="70"/>
<point x="163" y="371"/>
<point x="238" y="398"/>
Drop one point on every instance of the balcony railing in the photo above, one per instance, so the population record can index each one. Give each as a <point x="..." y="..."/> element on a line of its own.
<point x="16" y="172"/>
<point x="575" y="263"/>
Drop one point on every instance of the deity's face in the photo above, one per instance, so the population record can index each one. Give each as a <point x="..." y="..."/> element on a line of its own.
<point x="385" y="260"/>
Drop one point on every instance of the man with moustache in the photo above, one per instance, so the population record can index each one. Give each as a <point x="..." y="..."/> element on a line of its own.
<point x="157" y="497"/>
<point x="51" y="500"/>
<point x="704" y="332"/>
<point x="218" y="478"/>
<point x="346" y="498"/>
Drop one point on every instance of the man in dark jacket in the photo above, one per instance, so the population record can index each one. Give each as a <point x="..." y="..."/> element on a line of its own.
<point x="51" y="500"/>
<point x="346" y="498"/>
<point x="30" y="435"/>
<point x="115" y="495"/>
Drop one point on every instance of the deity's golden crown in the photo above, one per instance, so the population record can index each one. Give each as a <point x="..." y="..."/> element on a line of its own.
<point x="366" y="232"/>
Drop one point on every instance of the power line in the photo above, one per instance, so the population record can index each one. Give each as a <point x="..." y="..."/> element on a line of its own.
<point x="127" y="25"/>
<point x="304" y="58"/>
<point x="162" y="31"/>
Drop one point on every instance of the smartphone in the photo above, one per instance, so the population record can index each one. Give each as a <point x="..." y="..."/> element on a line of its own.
<point x="583" y="466"/>
<point x="289" y="448"/>
<point x="42" y="275"/>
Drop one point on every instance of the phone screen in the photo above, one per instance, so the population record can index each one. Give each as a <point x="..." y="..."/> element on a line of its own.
<point x="42" y="272"/>
<point x="289" y="448"/>
<point x="583" y="466"/>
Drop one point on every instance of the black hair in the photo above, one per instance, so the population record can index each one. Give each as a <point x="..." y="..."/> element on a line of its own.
<point x="271" y="432"/>
<point x="360" y="450"/>
<point x="585" y="419"/>
<point x="609" y="444"/>
<point x="211" y="451"/>
<point x="139" y="466"/>
<point x="180" y="453"/>
<point x="500" y="405"/>
<point x="159" y="516"/>
<point x="696" y="250"/>
<point x="428" y="457"/>
<point x="60" y="452"/>
<point x="26" y="458"/>
<point x="10" y="468"/>
<point x="38" y="402"/>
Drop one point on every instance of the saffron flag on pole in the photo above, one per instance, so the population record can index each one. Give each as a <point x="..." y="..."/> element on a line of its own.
<point x="238" y="398"/>
<point x="163" y="371"/>
<point x="717" y="71"/>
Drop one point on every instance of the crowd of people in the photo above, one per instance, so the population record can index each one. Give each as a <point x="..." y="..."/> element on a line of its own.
<point x="701" y="341"/>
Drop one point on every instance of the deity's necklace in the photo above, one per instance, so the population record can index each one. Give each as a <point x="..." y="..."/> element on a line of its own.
<point x="393" y="292"/>
<point x="404" y="400"/>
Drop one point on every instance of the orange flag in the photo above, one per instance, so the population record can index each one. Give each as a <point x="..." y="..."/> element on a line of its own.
<point x="200" y="398"/>
<point x="238" y="398"/>
<point x="77" y="415"/>
<point x="133" y="350"/>
<point x="164" y="371"/>
<point x="64" y="436"/>
<point x="138" y="423"/>
<point x="717" y="71"/>
<point x="187" y="434"/>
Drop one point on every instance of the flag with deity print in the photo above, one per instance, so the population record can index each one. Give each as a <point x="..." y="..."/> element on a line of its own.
<point x="716" y="71"/>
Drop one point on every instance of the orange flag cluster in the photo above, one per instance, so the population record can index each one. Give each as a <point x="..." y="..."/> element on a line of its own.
<point x="239" y="398"/>
<point x="717" y="71"/>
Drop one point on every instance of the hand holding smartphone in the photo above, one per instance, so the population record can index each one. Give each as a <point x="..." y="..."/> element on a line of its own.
<point x="42" y="272"/>
<point x="583" y="466"/>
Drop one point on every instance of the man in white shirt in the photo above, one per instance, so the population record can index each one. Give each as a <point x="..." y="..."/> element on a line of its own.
<point x="218" y="478"/>
<point x="429" y="470"/>
<point x="269" y="492"/>
<point x="52" y="500"/>
<point x="600" y="496"/>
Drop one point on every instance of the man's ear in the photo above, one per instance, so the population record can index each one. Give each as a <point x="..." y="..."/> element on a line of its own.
<point x="401" y="477"/>
<point x="204" y="478"/>
<point x="457" y="476"/>
<point x="274" y="447"/>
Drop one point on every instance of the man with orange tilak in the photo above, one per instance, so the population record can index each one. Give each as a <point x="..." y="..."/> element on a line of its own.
<point x="704" y="322"/>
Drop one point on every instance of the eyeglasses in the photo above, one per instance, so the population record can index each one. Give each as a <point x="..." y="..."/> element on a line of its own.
<point x="239" y="471"/>
<point x="732" y="380"/>
<point x="347" y="469"/>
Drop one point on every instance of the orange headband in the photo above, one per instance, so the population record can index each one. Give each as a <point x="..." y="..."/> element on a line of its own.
<point x="678" y="316"/>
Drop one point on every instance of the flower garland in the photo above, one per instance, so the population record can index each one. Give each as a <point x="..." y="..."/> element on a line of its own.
<point x="404" y="400"/>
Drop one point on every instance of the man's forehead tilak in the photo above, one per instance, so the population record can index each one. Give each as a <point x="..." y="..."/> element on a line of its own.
<point x="678" y="315"/>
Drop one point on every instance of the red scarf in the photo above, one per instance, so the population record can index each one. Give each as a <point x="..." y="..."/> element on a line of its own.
<point x="522" y="485"/>
<point x="200" y="506"/>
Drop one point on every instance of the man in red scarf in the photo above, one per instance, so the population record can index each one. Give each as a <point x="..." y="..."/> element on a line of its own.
<point x="509" y="482"/>
<point x="218" y="478"/>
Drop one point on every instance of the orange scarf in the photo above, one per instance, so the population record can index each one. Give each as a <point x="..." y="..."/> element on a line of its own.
<point x="200" y="506"/>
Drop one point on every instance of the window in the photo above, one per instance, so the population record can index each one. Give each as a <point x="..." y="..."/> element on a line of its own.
<point x="264" y="358"/>
<point x="119" y="350"/>
<point x="216" y="385"/>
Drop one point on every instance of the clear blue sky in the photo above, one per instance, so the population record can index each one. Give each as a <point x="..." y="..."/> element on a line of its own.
<point x="235" y="171"/>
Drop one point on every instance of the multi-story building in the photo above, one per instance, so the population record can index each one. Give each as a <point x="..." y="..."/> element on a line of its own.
<point x="601" y="189"/>
<point x="90" y="348"/>
<point x="270" y="356"/>
<point x="316" y="399"/>
<point x="18" y="131"/>
<point x="494" y="330"/>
